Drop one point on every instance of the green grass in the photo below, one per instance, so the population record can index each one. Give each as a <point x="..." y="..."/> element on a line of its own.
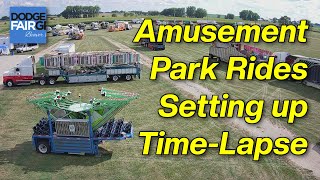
<point x="93" y="43"/>
<point x="306" y="127"/>
<point x="19" y="160"/>
<point x="4" y="27"/>
<point x="316" y="29"/>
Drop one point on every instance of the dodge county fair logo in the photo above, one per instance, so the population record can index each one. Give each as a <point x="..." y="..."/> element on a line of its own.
<point x="28" y="25"/>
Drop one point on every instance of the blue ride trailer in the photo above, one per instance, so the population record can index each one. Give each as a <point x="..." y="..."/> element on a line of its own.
<point x="78" y="128"/>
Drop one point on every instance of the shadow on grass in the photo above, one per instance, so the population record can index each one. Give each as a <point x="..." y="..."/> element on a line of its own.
<point x="299" y="88"/>
<point x="293" y="86"/>
<point x="25" y="156"/>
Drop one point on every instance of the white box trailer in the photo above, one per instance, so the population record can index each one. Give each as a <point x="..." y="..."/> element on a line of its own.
<point x="66" y="48"/>
<point x="5" y="40"/>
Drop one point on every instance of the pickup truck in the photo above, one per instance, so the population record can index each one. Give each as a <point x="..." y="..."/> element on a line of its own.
<point x="27" y="47"/>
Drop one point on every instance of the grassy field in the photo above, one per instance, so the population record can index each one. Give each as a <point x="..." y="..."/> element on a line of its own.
<point x="306" y="127"/>
<point x="316" y="29"/>
<point x="124" y="161"/>
<point x="4" y="27"/>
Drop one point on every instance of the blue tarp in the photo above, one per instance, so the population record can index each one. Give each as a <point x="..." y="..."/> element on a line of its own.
<point x="4" y="49"/>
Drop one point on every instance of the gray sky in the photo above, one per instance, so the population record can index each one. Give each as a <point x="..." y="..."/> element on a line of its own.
<point x="296" y="9"/>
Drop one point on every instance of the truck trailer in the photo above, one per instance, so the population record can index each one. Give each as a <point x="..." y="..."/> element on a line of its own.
<point x="83" y="68"/>
<point x="154" y="46"/>
<point x="223" y="51"/>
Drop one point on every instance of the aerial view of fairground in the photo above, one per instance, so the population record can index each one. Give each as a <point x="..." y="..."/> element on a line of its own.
<point x="163" y="89"/>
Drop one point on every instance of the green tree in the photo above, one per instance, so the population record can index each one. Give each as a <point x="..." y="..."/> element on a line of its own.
<point x="153" y="13"/>
<point x="5" y="18"/>
<point x="80" y="11"/>
<point x="285" y="20"/>
<point x="114" y="15"/>
<point x="177" y="12"/>
<point x="244" y="14"/>
<point x="249" y="15"/>
<point x="191" y="10"/>
<point x="274" y="20"/>
<point x="201" y="13"/>
<point x="255" y="17"/>
<point x="229" y="16"/>
<point x="309" y="23"/>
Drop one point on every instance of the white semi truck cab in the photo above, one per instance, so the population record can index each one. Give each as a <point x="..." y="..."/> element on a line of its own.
<point x="22" y="73"/>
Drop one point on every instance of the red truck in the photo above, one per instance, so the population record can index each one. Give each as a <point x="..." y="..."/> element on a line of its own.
<point x="23" y="74"/>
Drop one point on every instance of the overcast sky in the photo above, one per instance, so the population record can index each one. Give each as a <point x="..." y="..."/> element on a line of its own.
<point x="296" y="9"/>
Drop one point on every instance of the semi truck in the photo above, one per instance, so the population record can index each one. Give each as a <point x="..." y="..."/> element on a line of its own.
<point x="75" y="127"/>
<point x="83" y="68"/>
<point x="155" y="46"/>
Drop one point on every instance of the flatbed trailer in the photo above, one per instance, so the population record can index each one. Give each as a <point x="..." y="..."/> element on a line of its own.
<point x="25" y="74"/>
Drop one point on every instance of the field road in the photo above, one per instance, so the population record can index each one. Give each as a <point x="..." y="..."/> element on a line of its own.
<point x="265" y="128"/>
<point x="8" y="62"/>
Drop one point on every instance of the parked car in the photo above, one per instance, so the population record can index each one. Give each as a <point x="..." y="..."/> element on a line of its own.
<point x="27" y="47"/>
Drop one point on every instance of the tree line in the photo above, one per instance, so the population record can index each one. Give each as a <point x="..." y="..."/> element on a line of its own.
<point x="80" y="11"/>
<point x="190" y="11"/>
<point x="249" y="15"/>
<point x="286" y="20"/>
